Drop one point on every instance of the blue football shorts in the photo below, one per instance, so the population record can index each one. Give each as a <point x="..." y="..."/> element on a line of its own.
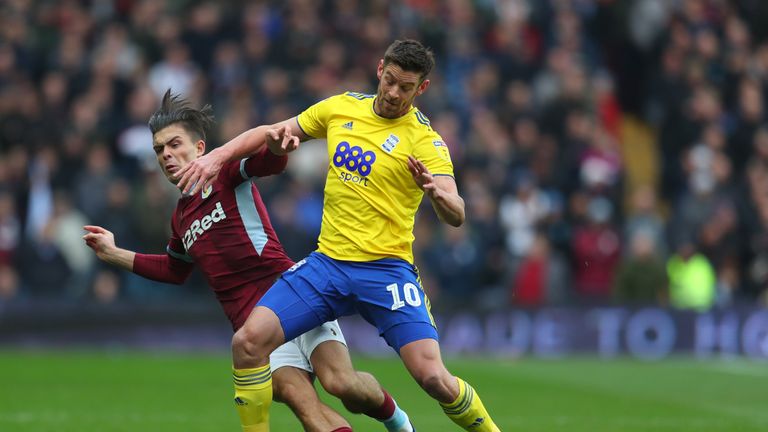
<point x="387" y="293"/>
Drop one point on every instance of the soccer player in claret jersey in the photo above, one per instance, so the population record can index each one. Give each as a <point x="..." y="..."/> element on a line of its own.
<point x="384" y="156"/>
<point x="225" y="230"/>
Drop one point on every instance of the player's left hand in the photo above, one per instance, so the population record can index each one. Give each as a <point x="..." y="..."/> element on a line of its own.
<point x="281" y="141"/>
<point x="423" y="177"/>
<point x="200" y="173"/>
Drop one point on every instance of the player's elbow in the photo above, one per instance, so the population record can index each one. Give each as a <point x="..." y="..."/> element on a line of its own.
<point x="459" y="221"/>
<point x="452" y="220"/>
<point x="456" y="218"/>
<point x="178" y="276"/>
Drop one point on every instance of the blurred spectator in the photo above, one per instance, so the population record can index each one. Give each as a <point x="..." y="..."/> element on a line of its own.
<point x="642" y="277"/>
<point x="596" y="252"/>
<point x="91" y="184"/>
<point x="134" y="149"/>
<point x="456" y="260"/>
<point x="106" y="287"/>
<point x="10" y="229"/>
<point x="691" y="279"/>
<point x="40" y="199"/>
<point x="43" y="253"/>
<point x="521" y="213"/>
<point x="541" y="278"/>
<point x="67" y="225"/>
<point x="9" y="284"/>
<point x="176" y="71"/>
<point x="645" y="218"/>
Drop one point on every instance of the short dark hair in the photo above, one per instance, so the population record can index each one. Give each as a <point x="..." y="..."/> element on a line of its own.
<point x="174" y="109"/>
<point x="411" y="56"/>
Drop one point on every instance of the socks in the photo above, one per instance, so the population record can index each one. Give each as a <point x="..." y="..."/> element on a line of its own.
<point x="468" y="411"/>
<point x="385" y="411"/>
<point x="253" y="396"/>
<point x="342" y="429"/>
<point x="394" y="419"/>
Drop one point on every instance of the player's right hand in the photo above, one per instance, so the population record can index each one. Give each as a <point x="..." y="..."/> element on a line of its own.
<point x="200" y="173"/>
<point x="281" y="141"/>
<point x="100" y="240"/>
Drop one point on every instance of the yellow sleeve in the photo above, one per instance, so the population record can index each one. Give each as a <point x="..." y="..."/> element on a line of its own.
<point x="314" y="120"/>
<point x="433" y="153"/>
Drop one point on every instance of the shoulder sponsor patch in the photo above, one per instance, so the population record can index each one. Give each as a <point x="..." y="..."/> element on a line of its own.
<point x="442" y="150"/>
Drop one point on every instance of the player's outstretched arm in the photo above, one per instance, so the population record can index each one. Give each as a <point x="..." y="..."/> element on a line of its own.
<point x="161" y="268"/>
<point x="199" y="173"/>
<point x="442" y="193"/>
<point x="103" y="243"/>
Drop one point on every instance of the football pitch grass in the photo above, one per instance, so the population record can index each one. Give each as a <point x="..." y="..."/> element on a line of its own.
<point x="129" y="391"/>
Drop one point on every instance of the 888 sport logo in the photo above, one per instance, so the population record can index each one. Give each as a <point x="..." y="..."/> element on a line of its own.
<point x="354" y="160"/>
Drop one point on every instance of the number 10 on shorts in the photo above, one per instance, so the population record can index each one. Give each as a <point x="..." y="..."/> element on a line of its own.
<point x="410" y="293"/>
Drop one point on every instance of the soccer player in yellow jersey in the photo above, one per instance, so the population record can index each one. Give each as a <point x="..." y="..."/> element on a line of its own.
<point x="384" y="156"/>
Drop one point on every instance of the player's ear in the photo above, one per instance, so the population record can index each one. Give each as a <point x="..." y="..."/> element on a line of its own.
<point x="422" y="87"/>
<point x="380" y="69"/>
<point x="200" y="150"/>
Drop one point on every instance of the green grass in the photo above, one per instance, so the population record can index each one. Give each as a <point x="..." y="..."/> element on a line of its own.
<point x="64" y="391"/>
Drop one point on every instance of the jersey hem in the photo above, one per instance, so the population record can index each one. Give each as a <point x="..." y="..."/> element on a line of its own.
<point x="361" y="259"/>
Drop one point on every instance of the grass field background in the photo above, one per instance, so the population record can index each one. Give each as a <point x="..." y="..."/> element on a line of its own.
<point x="102" y="391"/>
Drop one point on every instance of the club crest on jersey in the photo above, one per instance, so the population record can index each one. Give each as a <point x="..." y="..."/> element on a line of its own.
<point x="207" y="192"/>
<point x="390" y="143"/>
<point x="199" y="226"/>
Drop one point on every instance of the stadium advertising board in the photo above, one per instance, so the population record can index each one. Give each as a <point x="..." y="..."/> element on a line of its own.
<point x="647" y="333"/>
<point x="608" y="332"/>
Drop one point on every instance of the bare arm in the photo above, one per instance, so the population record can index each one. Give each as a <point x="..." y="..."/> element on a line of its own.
<point x="103" y="243"/>
<point x="199" y="173"/>
<point x="442" y="193"/>
<point x="161" y="268"/>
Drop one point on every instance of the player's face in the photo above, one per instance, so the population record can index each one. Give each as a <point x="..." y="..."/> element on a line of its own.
<point x="397" y="90"/>
<point x="175" y="149"/>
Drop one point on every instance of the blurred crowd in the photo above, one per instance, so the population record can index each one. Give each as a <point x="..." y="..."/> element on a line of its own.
<point x="608" y="151"/>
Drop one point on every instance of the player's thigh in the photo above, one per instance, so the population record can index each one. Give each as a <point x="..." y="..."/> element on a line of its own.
<point x="289" y="354"/>
<point x="295" y="311"/>
<point x="391" y="298"/>
<point x="315" y="340"/>
<point x="327" y="351"/>
<point x="293" y="387"/>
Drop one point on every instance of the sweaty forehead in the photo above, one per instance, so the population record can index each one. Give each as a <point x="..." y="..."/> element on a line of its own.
<point x="401" y="76"/>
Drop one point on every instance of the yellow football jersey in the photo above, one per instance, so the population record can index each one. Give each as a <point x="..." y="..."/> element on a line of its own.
<point x="370" y="196"/>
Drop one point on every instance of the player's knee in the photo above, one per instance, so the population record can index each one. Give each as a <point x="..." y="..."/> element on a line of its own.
<point x="302" y="400"/>
<point x="286" y="392"/>
<point x="433" y="381"/>
<point x="249" y="345"/>
<point x="339" y="384"/>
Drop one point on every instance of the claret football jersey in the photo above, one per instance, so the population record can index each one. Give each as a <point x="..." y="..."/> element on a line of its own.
<point x="225" y="230"/>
